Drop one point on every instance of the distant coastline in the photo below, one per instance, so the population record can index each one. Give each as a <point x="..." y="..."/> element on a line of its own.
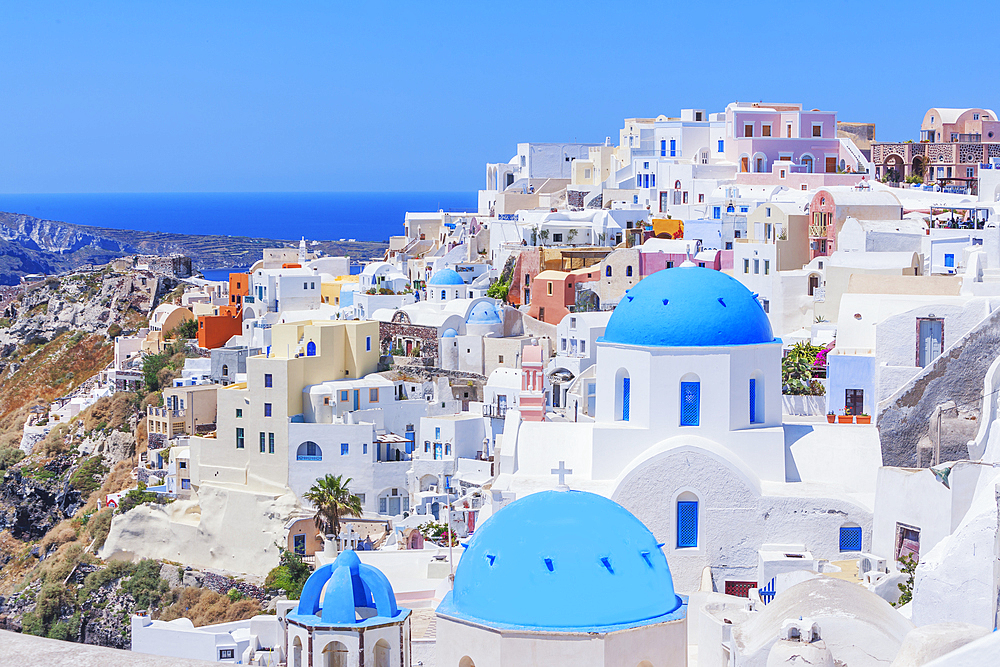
<point x="362" y="216"/>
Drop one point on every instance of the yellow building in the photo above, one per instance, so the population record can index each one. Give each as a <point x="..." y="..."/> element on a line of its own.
<point x="330" y="291"/>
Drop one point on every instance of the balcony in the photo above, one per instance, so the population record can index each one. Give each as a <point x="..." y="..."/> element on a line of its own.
<point x="164" y="413"/>
<point x="970" y="138"/>
<point x="817" y="231"/>
<point x="495" y="411"/>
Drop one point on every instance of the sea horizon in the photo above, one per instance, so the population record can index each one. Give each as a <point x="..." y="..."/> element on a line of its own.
<point x="324" y="216"/>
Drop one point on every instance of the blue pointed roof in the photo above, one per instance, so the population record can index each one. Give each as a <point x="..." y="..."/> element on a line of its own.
<point x="446" y="277"/>
<point x="563" y="560"/>
<point x="355" y="594"/>
<point x="688" y="307"/>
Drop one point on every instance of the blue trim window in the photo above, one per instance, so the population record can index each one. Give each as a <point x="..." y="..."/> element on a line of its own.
<point x="368" y="343"/>
<point x="673" y="148"/>
<point x="267" y="379"/>
<point x="626" y="398"/>
<point x="185" y="483"/>
<point x="267" y="409"/>
<point x="239" y="413"/>
<point x="687" y="524"/>
<point x="717" y="212"/>
<point x="270" y="443"/>
<point x="690" y="403"/>
<point x="344" y="448"/>
<point x="753" y="401"/>
<point x="722" y="145"/>
<point x="309" y="451"/>
<point x="850" y="538"/>
<point x="364" y="448"/>
<point x="949" y="260"/>
<point x="652" y="180"/>
<point x="344" y="395"/>
<point x="437" y="432"/>
<point x="239" y="438"/>
<point x="263" y="442"/>
<point x="663" y="148"/>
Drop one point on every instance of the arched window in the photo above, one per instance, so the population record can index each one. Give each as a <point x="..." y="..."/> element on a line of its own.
<point x="607" y="271"/>
<point x="690" y="400"/>
<point x="444" y="295"/>
<point x="628" y="271"/>
<point x="687" y="520"/>
<point x="335" y="655"/>
<point x="225" y="370"/>
<point x="730" y="209"/>
<point x="310" y="349"/>
<point x="382" y="653"/>
<point x="309" y="451"/>
<point x="822" y="201"/>
<point x="297" y="652"/>
<point x="850" y="537"/>
<point x="757" y="397"/>
<point x="677" y="185"/>
<point x="623" y="396"/>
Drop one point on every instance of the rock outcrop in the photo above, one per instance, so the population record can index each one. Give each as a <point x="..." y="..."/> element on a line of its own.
<point x="31" y="505"/>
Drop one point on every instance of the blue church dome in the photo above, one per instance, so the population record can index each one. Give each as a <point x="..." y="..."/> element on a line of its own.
<point x="565" y="560"/>
<point x="688" y="307"/>
<point x="449" y="333"/>
<point x="446" y="277"/>
<point x="484" y="312"/>
<point x="355" y="594"/>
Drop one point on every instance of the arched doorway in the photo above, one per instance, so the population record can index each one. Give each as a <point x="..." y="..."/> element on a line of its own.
<point x="382" y="653"/>
<point x="807" y="162"/>
<point x="296" y="652"/>
<point x="918" y="166"/>
<point x="335" y="655"/>
<point x="466" y="661"/>
<point x="310" y="349"/>
<point x="893" y="170"/>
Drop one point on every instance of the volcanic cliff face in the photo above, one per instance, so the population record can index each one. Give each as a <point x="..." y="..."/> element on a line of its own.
<point x="51" y="236"/>
<point x="31" y="505"/>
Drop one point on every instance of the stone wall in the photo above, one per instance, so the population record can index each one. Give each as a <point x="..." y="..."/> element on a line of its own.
<point x="956" y="375"/>
<point x="389" y="332"/>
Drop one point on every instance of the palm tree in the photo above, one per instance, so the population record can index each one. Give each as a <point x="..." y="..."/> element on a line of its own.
<point x="332" y="500"/>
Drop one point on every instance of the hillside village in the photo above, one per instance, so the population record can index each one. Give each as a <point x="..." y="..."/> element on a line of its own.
<point x="720" y="391"/>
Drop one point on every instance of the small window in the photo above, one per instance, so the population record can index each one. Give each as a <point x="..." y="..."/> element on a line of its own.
<point x="344" y="448"/>
<point x="756" y="266"/>
<point x="766" y="305"/>
<point x="670" y="265"/>
<point x="744" y="209"/>
<point x="267" y="380"/>
<point x="239" y="413"/>
<point x="607" y="271"/>
<point x="748" y="130"/>
<point x="373" y="395"/>
<point x="368" y="343"/>
<point x="263" y="442"/>
<point x="364" y="450"/>
<point x="437" y="432"/>
<point x="767" y="267"/>
<point x="270" y="443"/>
<point x="549" y="290"/>
<point x="343" y="395"/>
<point x="267" y="409"/>
<point x="765" y="130"/>
<point x="850" y="538"/>
<point x="499" y="358"/>
<point x="729" y="245"/>
<point x="701" y="198"/>
<point x="645" y="165"/>
<point x="182" y="464"/>
<point x="975" y="116"/>
<point x="239" y="438"/>
<point x="746" y="266"/>
<point x="717" y="212"/>
<point x="226" y="653"/>
<point x="447" y="449"/>
<point x="687" y="524"/>
<point x="572" y="323"/>
<point x="427" y="445"/>
<point x="628" y="271"/>
<point x="722" y="145"/>
<point x="817" y="129"/>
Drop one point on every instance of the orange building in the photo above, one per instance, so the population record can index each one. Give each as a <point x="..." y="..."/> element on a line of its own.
<point x="552" y="293"/>
<point x="215" y="330"/>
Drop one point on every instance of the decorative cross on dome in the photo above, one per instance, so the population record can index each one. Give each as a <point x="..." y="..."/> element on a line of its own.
<point x="562" y="471"/>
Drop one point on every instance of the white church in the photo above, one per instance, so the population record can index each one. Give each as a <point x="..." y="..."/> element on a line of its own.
<point x="689" y="437"/>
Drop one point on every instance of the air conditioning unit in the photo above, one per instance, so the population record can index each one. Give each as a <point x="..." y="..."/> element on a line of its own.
<point x="869" y="563"/>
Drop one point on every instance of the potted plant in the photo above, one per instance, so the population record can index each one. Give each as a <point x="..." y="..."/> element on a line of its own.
<point x="846" y="418"/>
<point x="864" y="419"/>
<point x="831" y="416"/>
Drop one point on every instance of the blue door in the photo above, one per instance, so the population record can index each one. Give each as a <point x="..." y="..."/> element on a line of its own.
<point x="299" y="545"/>
<point x="687" y="524"/>
<point x="690" y="403"/>
<point x="311" y="349"/>
<point x="357" y="399"/>
<point x="753" y="400"/>
<point x="949" y="260"/>
<point x="437" y="451"/>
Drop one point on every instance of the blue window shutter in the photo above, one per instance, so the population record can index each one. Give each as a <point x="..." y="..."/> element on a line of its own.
<point x="717" y="212"/>
<point x="663" y="147"/>
<point x="690" y="403"/>
<point x="652" y="180"/>
<point x="687" y="524"/>
<point x="850" y="538"/>
<point x="753" y="400"/>
<point x="626" y="399"/>
<point x="673" y="147"/>
<point x="949" y="260"/>
<point x="721" y="145"/>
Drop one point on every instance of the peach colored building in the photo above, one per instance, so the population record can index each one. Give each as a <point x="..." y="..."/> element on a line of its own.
<point x="552" y="294"/>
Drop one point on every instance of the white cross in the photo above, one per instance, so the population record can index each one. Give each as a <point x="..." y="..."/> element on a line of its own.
<point x="562" y="471"/>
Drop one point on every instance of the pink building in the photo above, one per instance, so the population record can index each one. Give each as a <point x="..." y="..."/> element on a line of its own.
<point x="552" y="293"/>
<point x="532" y="400"/>
<point x="759" y="134"/>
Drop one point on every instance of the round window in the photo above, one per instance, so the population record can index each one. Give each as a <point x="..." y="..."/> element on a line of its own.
<point x="990" y="134"/>
<point x="857" y="316"/>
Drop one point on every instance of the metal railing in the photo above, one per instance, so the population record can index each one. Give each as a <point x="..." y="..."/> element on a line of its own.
<point x="496" y="411"/>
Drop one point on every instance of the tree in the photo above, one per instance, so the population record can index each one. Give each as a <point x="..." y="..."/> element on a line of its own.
<point x="906" y="588"/>
<point x="332" y="500"/>
<point x="544" y="235"/>
<point x="498" y="290"/>
<point x="570" y="235"/>
<point x="186" y="329"/>
<point x="797" y="370"/>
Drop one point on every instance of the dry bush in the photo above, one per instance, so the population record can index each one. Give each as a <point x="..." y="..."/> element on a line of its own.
<point x="111" y="412"/>
<point x="59" y="535"/>
<point x="140" y="434"/>
<point x="205" y="607"/>
<point x="55" y="442"/>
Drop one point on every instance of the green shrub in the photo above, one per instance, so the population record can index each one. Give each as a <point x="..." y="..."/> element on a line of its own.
<point x="10" y="456"/>
<point x="290" y="575"/>
<point x="234" y="595"/>
<point x="88" y="477"/>
<point x="145" y="585"/>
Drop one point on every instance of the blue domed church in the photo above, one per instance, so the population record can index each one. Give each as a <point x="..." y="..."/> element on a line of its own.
<point x="562" y="578"/>
<point x="687" y="435"/>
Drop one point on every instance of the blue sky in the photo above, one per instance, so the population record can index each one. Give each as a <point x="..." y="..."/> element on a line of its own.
<point x="359" y="96"/>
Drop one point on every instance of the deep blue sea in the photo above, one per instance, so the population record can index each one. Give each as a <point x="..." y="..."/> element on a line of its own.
<point x="323" y="216"/>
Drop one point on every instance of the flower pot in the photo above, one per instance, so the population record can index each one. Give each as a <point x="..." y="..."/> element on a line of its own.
<point x="845" y="419"/>
<point x="864" y="419"/>
<point x="831" y="418"/>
